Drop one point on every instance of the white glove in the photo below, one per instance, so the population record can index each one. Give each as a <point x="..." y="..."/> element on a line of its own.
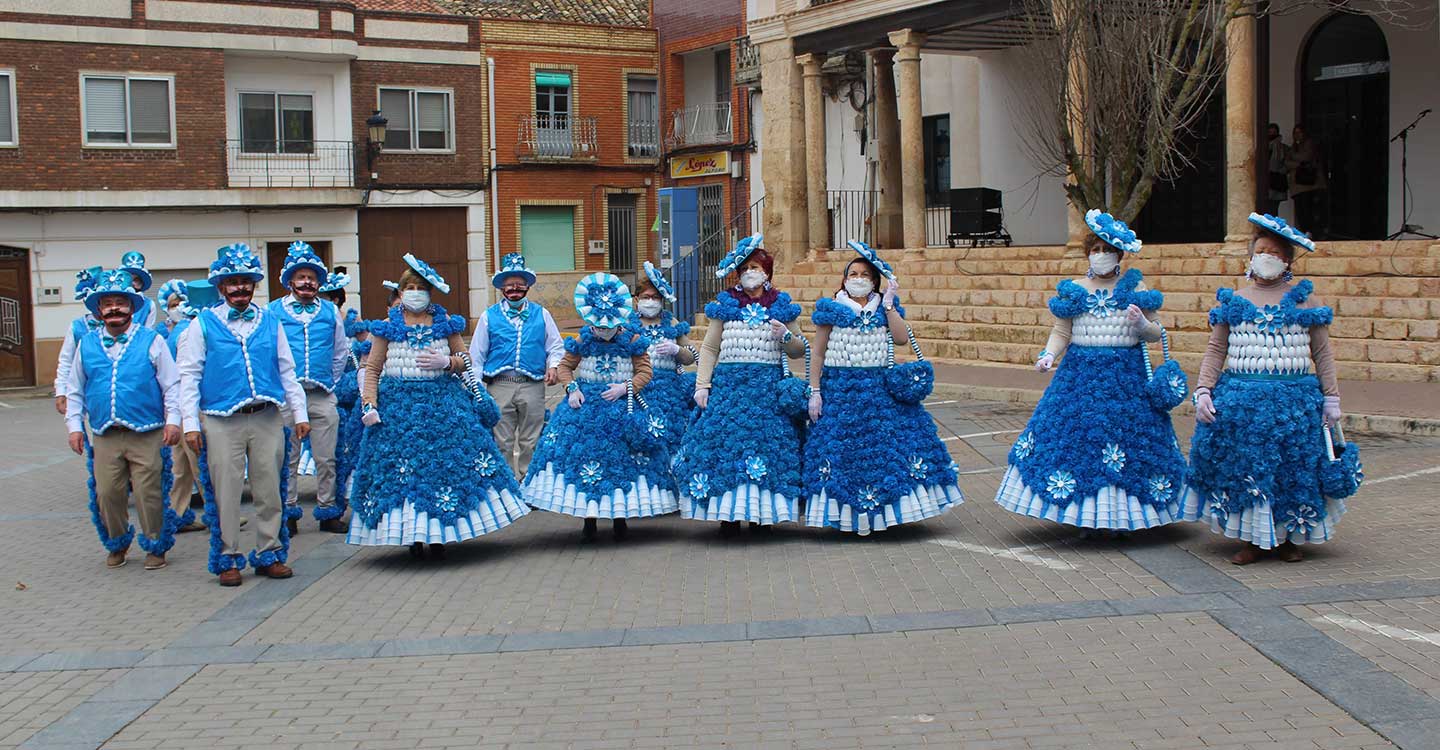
<point x="1134" y="314"/>
<point x="702" y="397"/>
<point x="667" y="348"/>
<point x="615" y="392"/>
<point x="892" y="287"/>
<point x="370" y="418"/>
<point x="1332" y="410"/>
<point x="1204" y="408"/>
<point x="428" y="360"/>
<point x="576" y="398"/>
<point x="778" y="330"/>
<point x="816" y="406"/>
<point x="1045" y="363"/>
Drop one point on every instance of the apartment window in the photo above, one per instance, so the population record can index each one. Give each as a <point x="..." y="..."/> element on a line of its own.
<point x="419" y="120"/>
<point x="128" y="110"/>
<point x="8" y="126"/>
<point x="643" y="105"/>
<point x="552" y="99"/>
<point x="936" y="139"/>
<point x="272" y="123"/>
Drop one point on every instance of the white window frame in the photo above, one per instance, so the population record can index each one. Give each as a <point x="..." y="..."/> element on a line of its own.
<point x="127" y="77"/>
<point x="414" y="141"/>
<point x="9" y="91"/>
<point x="277" y="93"/>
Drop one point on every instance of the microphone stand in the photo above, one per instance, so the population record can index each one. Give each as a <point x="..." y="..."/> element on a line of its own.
<point x="1404" y="137"/>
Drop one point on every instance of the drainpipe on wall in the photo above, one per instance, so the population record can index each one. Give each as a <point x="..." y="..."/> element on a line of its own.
<point x="494" y="174"/>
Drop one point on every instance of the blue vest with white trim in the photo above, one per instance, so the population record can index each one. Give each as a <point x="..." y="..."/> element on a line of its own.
<point x="122" y="391"/>
<point x="239" y="372"/>
<point x="312" y="344"/>
<point x="79" y="327"/>
<point x="512" y="347"/>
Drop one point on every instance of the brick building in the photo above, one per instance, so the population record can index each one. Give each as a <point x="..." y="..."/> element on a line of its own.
<point x="174" y="127"/>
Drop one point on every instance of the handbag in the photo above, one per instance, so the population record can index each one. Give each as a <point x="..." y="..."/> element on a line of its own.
<point x="1341" y="475"/>
<point x="911" y="382"/>
<point x="645" y="431"/>
<point x="1166" y="385"/>
<point x="486" y="410"/>
<point x="792" y="394"/>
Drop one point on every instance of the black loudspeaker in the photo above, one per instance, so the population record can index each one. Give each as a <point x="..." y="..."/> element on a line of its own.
<point x="976" y="215"/>
<point x="974" y="222"/>
<point x="974" y="199"/>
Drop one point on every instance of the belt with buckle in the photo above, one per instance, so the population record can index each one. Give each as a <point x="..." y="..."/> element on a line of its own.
<point x="257" y="406"/>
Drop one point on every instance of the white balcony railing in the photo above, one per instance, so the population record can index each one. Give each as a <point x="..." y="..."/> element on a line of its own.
<point x="644" y="138"/>
<point x="289" y="164"/>
<point x="701" y="124"/>
<point x="551" y="136"/>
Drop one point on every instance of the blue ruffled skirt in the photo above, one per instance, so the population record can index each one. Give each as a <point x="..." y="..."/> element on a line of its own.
<point x="430" y="472"/>
<point x="1096" y="454"/>
<point x="872" y="462"/>
<point x="1255" y="473"/>
<point x="591" y="463"/>
<point x="669" y="393"/>
<point x="740" y="460"/>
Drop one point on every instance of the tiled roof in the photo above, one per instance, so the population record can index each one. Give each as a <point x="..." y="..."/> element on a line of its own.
<point x="404" y="6"/>
<point x="599" y="12"/>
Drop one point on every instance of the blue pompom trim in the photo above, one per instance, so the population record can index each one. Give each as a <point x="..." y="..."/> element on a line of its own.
<point x="830" y="312"/>
<point x="279" y="555"/>
<point x="587" y="345"/>
<point x="219" y="562"/>
<point x="393" y="328"/>
<point x="668" y="328"/>
<point x="161" y="543"/>
<point x="1070" y="298"/>
<point x="112" y="544"/>
<point x="1235" y="309"/>
<point x="726" y="307"/>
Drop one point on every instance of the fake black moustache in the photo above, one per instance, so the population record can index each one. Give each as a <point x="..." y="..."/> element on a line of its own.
<point x="108" y="314"/>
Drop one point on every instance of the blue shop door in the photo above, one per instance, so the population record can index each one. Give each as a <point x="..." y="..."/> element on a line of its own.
<point x="679" y="238"/>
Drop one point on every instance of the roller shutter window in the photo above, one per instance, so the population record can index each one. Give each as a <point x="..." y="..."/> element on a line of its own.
<point x="122" y="110"/>
<point x="7" y="108"/>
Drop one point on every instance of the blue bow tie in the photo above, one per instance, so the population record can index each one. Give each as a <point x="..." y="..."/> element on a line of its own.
<point x="113" y="340"/>
<point x="520" y="314"/>
<point x="94" y="323"/>
<point x="247" y="314"/>
<point x="301" y="307"/>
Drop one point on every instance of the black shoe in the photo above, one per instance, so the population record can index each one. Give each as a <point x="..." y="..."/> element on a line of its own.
<point x="437" y="552"/>
<point x="417" y="550"/>
<point x="757" y="528"/>
<point x="293" y="525"/>
<point x="335" y="526"/>
<point x="620" y="529"/>
<point x="587" y="534"/>
<point x="729" y="528"/>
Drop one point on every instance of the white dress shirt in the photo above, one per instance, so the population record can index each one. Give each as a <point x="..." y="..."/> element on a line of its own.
<point x="67" y="356"/>
<point x="192" y="366"/>
<point x="165" y="373"/>
<point x="340" y="355"/>
<point x="480" y="342"/>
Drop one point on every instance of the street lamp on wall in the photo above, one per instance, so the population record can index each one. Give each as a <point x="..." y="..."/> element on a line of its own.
<point x="375" y="124"/>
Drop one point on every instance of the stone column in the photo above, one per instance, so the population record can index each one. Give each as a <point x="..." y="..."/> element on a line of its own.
<point x="783" y="168"/>
<point x="819" y="223"/>
<point x="912" y="135"/>
<point x="889" y="232"/>
<point x="1239" y="128"/>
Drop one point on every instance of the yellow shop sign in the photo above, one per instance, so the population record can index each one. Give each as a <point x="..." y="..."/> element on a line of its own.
<point x="700" y="165"/>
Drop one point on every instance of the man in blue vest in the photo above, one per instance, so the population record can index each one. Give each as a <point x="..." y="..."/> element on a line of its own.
<point x="517" y="347"/>
<point x="314" y="330"/>
<point x="84" y="282"/>
<point x="124" y="380"/>
<point x="236" y="367"/>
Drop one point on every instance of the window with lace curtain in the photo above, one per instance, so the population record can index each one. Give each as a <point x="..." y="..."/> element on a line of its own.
<point x="419" y="119"/>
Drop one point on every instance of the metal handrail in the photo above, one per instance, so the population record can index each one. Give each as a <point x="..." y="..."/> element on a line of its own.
<point x="556" y="136"/>
<point x="289" y="163"/>
<point x="701" y="124"/>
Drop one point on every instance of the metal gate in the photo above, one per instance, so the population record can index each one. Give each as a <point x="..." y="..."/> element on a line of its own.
<point x="622" y="234"/>
<point x="712" y="219"/>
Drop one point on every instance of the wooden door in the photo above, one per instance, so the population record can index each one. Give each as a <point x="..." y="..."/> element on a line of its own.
<point x="435" y="235"/>
<point x="17" y="341"/>
<point x="275" y="253"/>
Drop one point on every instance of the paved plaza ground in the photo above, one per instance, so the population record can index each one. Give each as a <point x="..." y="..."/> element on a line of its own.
<point x="975" y="630"/>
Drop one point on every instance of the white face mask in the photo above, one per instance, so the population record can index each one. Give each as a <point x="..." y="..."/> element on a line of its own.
<point x="649" y="308"/>
<point x="1104" y="263"/>
<point x="175" y="314"/>
<point x="604" y="334"/>
<point x="859" y="288"/>
<point x="753" y="279"/>
<point x="1267" y="266"/>
<point x="415" y="300"/>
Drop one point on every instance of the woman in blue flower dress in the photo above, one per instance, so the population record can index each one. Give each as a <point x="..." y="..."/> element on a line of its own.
<point x="740" y="460"/>
<point x="871" y="461"/>
<point x="670" y="388"/>
<point x="1260" y="469"/>
<point x="603" y="454"/>
<point x="1097" y="454"/>
<point x="428" y="472"/>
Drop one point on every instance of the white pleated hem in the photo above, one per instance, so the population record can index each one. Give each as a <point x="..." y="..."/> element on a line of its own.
<point x="744" y="503"/>
<point x="1256" y="524"/>
<point x="1111" y="507"/>
<point x="405" y="525"/>
<point x="917" y="505"/>
<point x="549" y="491"/>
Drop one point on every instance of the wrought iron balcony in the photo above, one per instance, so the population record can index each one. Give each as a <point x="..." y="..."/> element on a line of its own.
<point x="747" y="62"/>
<point x="289" y="164"/>
<point x="557" y="137"/>
<point x="701" y="124"/>
<point x="644" y="138"/>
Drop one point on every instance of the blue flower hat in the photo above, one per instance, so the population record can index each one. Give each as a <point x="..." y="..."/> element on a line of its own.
<point x="302" y="255"/>
<point x="170" y="289"/>
<point x="427" y="273"/>
<point x="1114" y="231"/>
<point x="603" y="300"/>
<point x="393" y="286"/>
<point x="743" y="249"/>
<point x="513" y="264"/>
<point x="335" y="282"/>
<point x="869" y="254"/>
<point x="235" y="260"/>
<point x="1281" y="228"/>
<point x="115" y="281"/>
<point x="85" y="280"/>
<point x="657" y="280"/>
<point x="200" y="294"/>
<point x="134" y="262"/>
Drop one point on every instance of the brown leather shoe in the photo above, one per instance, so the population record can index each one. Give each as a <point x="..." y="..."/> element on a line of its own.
<point x="1247" y="555"/>
<point x="192" y="526"/>
<point x="1290" y="552"/>
<point x="155" y="562"/>
<point x="276" y="570"/>
<point x="335" y="526"/>
<point x="230" y="577"/>
<point x="115" y="560"/>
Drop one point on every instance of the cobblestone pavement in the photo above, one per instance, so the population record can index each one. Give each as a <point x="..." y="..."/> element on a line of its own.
<point x="975" y="630"/>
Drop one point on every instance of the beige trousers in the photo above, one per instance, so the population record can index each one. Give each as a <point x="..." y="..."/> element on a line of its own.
<point x="522" y="416"/>
<point x="185" y="472"/>
<point x="324" y="430"/>
<point x="125" y="462"/>
<point x="229" y="441"/>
